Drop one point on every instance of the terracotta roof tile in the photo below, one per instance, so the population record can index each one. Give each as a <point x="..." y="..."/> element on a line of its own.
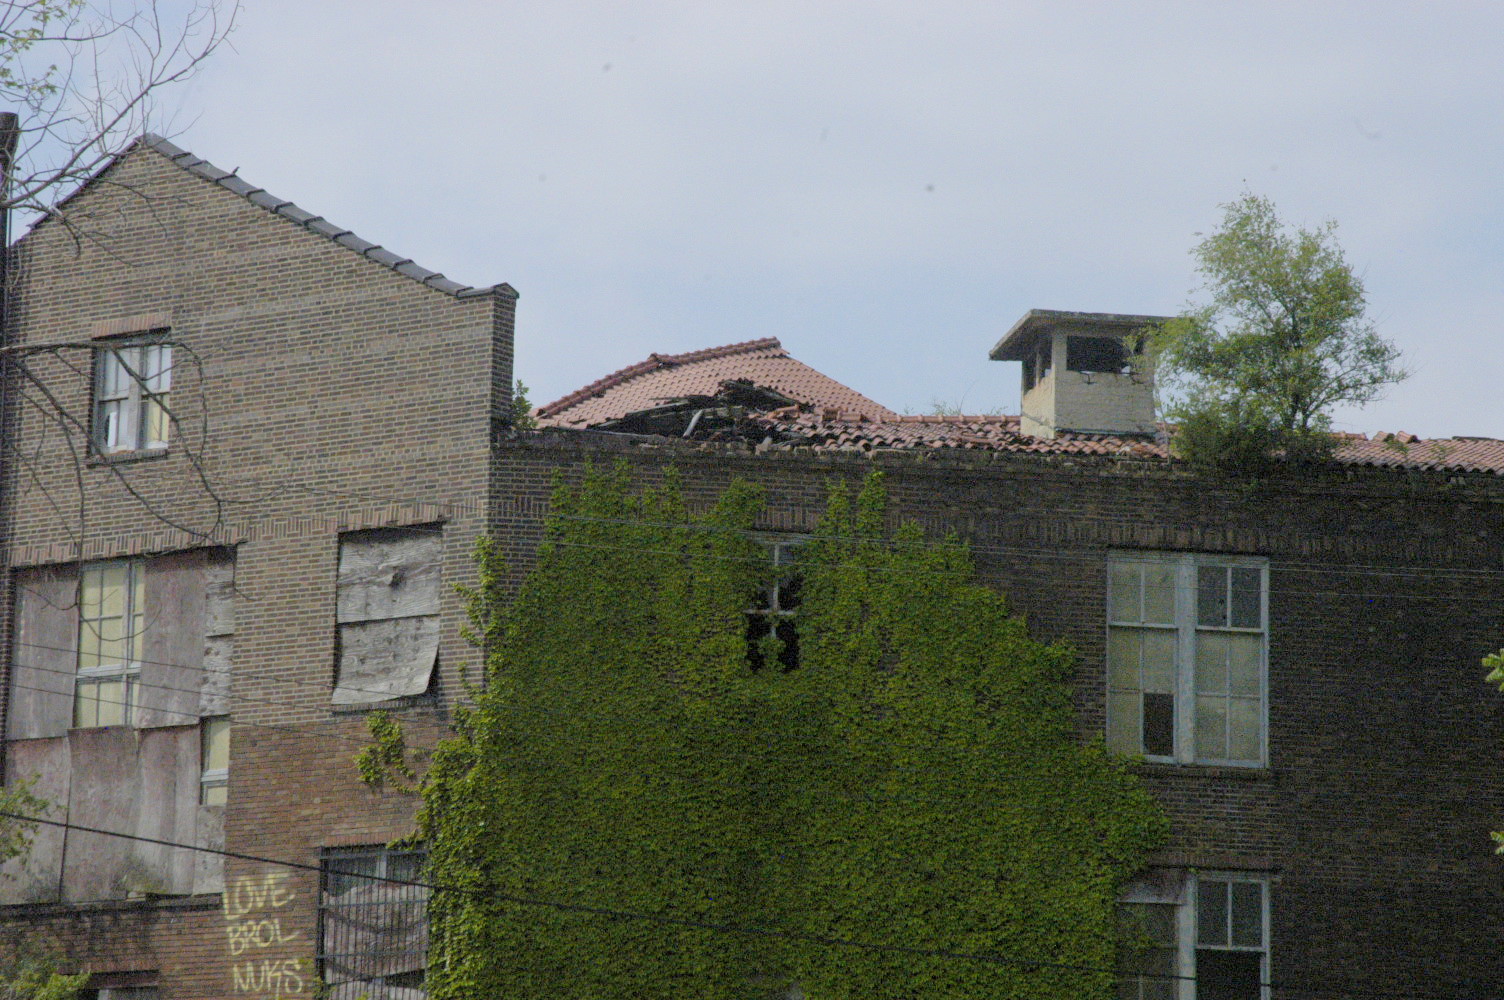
<point x="825" y="431"/>
<point x="833" y="417"/>
<point x="700" y="373"/>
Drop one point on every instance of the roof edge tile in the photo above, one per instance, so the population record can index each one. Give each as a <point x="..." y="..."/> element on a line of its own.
<point x="313" y="223"/>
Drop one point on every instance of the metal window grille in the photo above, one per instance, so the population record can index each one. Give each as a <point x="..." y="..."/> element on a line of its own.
<point x="373" y="934"/>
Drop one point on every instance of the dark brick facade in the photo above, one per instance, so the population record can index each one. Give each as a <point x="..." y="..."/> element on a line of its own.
<point x="1372" y="819"/>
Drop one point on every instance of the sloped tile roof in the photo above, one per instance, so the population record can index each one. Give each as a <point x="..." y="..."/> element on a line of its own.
<point x="833" y="417"/>
<point x="700" y="373"/>
<point x="830" y="430"/>
<point x="1406" y="451"/>
<point x="301" y="217"/>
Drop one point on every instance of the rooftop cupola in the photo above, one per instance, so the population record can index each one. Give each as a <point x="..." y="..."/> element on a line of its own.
<point x="1083" y="372"/>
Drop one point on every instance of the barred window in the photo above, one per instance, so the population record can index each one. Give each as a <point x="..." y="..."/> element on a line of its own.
<point x="373" y="933"/>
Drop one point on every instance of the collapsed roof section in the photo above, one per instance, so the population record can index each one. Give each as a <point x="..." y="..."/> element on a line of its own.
<point x="676" y="380"/>
<point x="755" y="395"/>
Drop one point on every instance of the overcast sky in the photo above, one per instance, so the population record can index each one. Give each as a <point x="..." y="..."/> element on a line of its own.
<point x="885" y="186"/>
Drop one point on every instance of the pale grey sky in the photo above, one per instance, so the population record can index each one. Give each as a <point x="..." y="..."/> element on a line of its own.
<point x="885" y="186"/>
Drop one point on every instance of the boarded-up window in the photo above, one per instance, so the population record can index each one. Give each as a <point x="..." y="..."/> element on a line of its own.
<point x="387" y="610"/>
<point x="44" y="656"/>
<point x="113" y="665"/>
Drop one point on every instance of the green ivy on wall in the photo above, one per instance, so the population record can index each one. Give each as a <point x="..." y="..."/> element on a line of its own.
<point x="914" y="783"/>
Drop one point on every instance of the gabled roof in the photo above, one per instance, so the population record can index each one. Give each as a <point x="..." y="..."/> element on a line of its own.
<point x="316" y="224"/>
<point x="662" y="377"/>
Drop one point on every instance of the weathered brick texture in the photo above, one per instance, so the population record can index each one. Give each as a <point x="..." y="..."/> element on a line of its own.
<point x="1383" y="782"/>
<point x="316" y="392"/>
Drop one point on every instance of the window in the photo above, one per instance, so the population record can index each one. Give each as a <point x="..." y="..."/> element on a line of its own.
<point x="1187" y="658"/>
<point x="387" y="614"/>
<point x="770" y="621"/>
<point x="214" y="780"/>
<point x="1095" y="354"/>
<point x="131" y="393"/>
<point x="1195" y="937"/>
<point x="373" y="934"/>
<point x="111" y="630"/>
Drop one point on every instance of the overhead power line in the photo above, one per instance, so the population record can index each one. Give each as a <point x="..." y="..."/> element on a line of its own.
<point x="823" y="940"/>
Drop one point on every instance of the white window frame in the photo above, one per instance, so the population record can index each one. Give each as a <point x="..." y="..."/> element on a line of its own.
<point x="1185" y="566"/>
<point x="211" y="779"/>
<point x="1185" y="895"/>
<point x="782" y="552"/>
<point x="133" y="619"/>
<point x="132" y="378"/>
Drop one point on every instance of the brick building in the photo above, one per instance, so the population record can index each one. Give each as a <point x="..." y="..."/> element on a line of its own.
<point x="1296" y="657"/>
<point x="250" y="452"/>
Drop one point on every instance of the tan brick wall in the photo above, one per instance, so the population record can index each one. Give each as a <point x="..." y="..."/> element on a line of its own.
<point x="317" y="392"/>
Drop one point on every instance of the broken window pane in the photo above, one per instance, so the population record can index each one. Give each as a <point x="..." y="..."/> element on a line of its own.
<point x="1159" y="724"/>
<point x="771" y="630"/>
<point x="1227" y="975"/>
<point x="131" y="393"/>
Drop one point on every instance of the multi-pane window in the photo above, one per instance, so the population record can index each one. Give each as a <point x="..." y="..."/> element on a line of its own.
<point x="770" y="620"/>
<point x="1202" y="937"/>
<point x="1187" y="644"/>
<point x="373" y="923"/>
<point x="1231" y="938"/>
<point x="1151" y="958"/>
<point x="131" y="396"/>
<point x="111" y="630"/>
<point x="214" y="779"/>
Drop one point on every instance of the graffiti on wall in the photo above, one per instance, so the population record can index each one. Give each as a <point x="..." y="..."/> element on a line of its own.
<point x="262" y="963"/>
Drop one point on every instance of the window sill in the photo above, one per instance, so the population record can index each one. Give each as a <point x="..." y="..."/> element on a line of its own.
<point x="389" y="705"/>
<point x="1207" y="771"/>
<point x="120" y="457"/>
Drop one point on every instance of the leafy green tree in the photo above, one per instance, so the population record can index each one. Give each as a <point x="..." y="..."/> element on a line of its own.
<point x="1283" y="339"/>
<point x="27" y="973"/>
<point x="16" y="803"/>
<point x="915" y="783"/>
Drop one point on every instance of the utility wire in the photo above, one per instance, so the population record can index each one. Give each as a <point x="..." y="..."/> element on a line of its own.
<point x="824" y="940"/>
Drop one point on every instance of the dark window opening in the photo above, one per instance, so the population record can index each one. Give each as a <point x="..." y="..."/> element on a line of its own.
<point x="1159" y="724"/>
<point x="1029" y="380"/>
<point x="1096" y="354"/>
<point x="1227" y="975"/>
<point x="771" y="630"/>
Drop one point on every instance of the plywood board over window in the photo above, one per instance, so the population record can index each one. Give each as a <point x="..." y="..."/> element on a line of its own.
<point x="387" y="614"/>
<point x="45" y="657"/>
